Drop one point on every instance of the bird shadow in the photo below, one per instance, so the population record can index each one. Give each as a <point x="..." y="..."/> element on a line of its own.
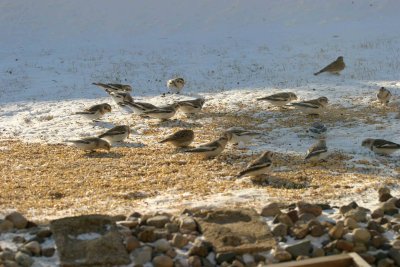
<point x="103" y="124"/>
<point x="278" y="182"/>
<point x="177" y="123"/>
<point x="132" y="145"/>
<point x="113" y="155"/>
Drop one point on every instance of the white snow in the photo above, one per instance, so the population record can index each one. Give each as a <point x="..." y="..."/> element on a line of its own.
<point x="230" y="52"/>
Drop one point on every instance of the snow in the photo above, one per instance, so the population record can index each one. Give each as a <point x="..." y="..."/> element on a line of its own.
<point x="230" y="52"/>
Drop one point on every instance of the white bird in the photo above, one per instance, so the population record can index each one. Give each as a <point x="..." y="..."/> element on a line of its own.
<point x="380" y="146"/>
<point x="122" y="99"/>
<point x="163" y="113"/>
<point x="312" y="107"/>
<point x="239" y="136"/>
<point x="114" y="87"/>
<point x="384" y="96"/>
<point x="279" y="99"/>
<point x="191" y="106"/>
<point x="182" y="138"/>
<point x="116" y="134"/>
<point x="90" y="144"/>
<point x="175" y="85"/>
<point x="211" y="149"/>
<point x="317" y="152"/>
<point x="259" y="166"/>
<point x="95" y="112"/>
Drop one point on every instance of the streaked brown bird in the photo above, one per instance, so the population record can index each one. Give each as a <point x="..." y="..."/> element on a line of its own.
<point x="182" y="138"/>
<point x="335" y="67"/>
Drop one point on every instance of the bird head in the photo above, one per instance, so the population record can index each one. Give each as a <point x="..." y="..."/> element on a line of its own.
<point x="367" y="142"/>
<point x="268" y="154"/>
<point x="340" y="58"/>
<point x="107" y="107"/>
<point x="323" y="100"/>
<point x="293" y="96"/>
<point x="104" y="145"/>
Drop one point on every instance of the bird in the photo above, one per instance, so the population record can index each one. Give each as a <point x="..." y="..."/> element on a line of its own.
<point x="237" y="135"/>
<point x="312" y="107"/>
<point x="317" y="130"/>
<point x="90" y="144"/>
<point x="140" y="108"/>
<point x="384" y="96"/>
<point x="116" y="134"/>
<point x="380" y="146"/>
<point x="259" y="166"/>
<point x="317" y="152"/>
<point x="114" y="87"/>
<point x="95" y="112"/>
<point x="335" y="67"/>
<point x="175" y="85"/>
<point x="279" y="99"/>
<point x="162" y="113"/>
<point x="191" y="106"/>
<point x="182" y="138"/>
<point x="211" y="149"/>
<point x="122" y="99"/>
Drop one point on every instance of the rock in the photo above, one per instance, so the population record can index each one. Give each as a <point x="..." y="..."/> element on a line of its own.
<point x="142" y="255"/>
<point x="9" y="263"/>
<point x="359" y="247"/>
<point x="172" y="227"/>
<point x="395" y="255"/>
<point x="318" y="252"/>
<point x="280" y="230"/>
<point x="397" y="204"/>
<point x="299" y="231"/>
<point x="129" y="224"/>
<point x="131" y="243"/>
<point x="146" y="234"/>
<point x="171" y="253"/>
<point x="33" y="247"/>
<point x="235" y="230"/>
<point x="158" y="221"/>
<point x="162" y="234"/>
<point x="271" y="210"/>
<point x="6" y="226"/>
<point x="163" y="261"/>
<point x="7" y="255"/>
<point x="225" y="257"/>
<point x="377" y="213"/>
<point x="300" y="258"/>
<point x="23" y="259"/>
<point x="283" y="218"/>
<point x="18" y="239"/>
<point x="361" y="235"/>
<point x="306" y="217"/>
<point x="385" y="197"/>
<point x="282" y="256"/>
<point x="48" y="252"/>
<point x="396" y="244"/>
<point x="373" y="225"/>
<point x="370" y="259"/>
<point x="89" y="239"/>
<point x="179" y="241"/>
<point x="317" y="230"/>
<point x="389" y="207"/>
<point x="194" y="261"/>
<point x="248" y="259"/>
<point x="359" y="214"/>
<point x="200" y="248"/>
<point x="337" y="231"/>
<point x="346" y="208"/>
<point x="324" y="206"/>
<point x="344" y="245"/>
<point x="187" y="223"/>
<point x="302" y="248"/>
<point x="44" y="233"/>
<point x="351" y="223"/>
<point x="309" y="208"/>
<point x="162" y="245"/>
<point x="386" y="263"/>
<point x="293" y="215"/>
<point x="18" y="220"/>
<point x="237" y="263"/>
<point x="378" y="241"/>
<point x="383" y="190"/>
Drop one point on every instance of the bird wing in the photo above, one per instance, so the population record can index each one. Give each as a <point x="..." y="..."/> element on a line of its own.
<point x="380" y="143"/>
<point x="306" y="105"/>
<point x="202" y="149"/>
<point x="278" y="97"/>
<point x="113" y="132"/>
<point x="316" y="150"/>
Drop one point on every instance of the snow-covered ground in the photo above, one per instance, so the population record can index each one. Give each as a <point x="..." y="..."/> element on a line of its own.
<point x="231" y="52"/>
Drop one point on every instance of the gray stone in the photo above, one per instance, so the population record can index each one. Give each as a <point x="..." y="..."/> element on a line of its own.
<point x="359" y="214"/>
<point x="9" y="263"/>
<point x="179" y="241"/>
<point x="7" y="255"/>
<point x="187" y="223"/>
<point x="351" y="223"/>
<point x="146" y="234"/>
<point x="89" y="240"/>
<point x="33" y="247"/>
<point x="238" y="230"/>
<point x="172" y="227"/>
<point x="23" y="259"/>
<point x="280" y="230"/>
<point x="48" y="252"/>
<point x="163" y="261"/>
<point x="302" y="248"/>
<point x="225" y="257"/>
<point x="385" y="263"/>
<point x="142" y="255"/>
<point x="361" y="235"/>
<point x="6" y="226"/>
<point x="200" y="248"/>
<point x="395" y="255"/>
<point x="18" y="220"/>
<point x="158" y="221"/>
<point x="44" y="233"/>
<point x="271" y="209"/>
<point x="318" y="252"/>
<point x="162" y="245"/>
<point x="306" y="217"/>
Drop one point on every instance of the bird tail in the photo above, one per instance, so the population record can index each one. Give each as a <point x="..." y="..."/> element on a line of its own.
<point x="319" y="72"/>
<point x="163" y="141"/>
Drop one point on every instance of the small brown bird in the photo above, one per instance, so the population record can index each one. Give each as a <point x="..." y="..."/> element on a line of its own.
<point x="90" y="144"/>
<point x="259" y="166"/>
<point x="380" y="146"/>
<point x="182" y="138"/>
<point x="312" y="107"/>
<point x="95" y="112"/>
<point x="114" y="87"/>
<point x="384" y="96"/>
<point x="176" y="85"/>
<point x="279" y="99"/>
<point x="335" y="67"/>
<point x="211" y="149"/>
<point x="191" y="106"/>
<point x="317" y="152"/>
<point x="116" y="134"/>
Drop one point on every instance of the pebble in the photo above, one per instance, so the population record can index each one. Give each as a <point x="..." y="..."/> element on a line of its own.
<point x="359" y="247"/>
<point x="317" y="252"/>
<point x="337" y="231"/>
<point x="9" y="263"/>
<point x="351" y="223"/>
<point x="17" y="219"/>
<point x="129" y="224"/>
<point x="194" y="261"/>
<point x="301" y="248"/>
<point x="44" y="233"/>
<point x="200" y="248"/>
<point x="146" y="234"/>
<point x="306" y="217"/>
<point x="179" y="241"/>
<point x="385" y="263"/>
<point x="344" y="245"/>
<point x="187" y="223"/>
<point x="23" y="259"/>
<point x="293" y="215"/>
<point x="225" y="257"/>
<point x="6" y="226"/>
<point x="359" y="214"/>
<point x="7" y="255"/>
<point x="309" y="208"/>
<point x="162" y="245"/>
<point x="377" y="213"/>
<point x="132" y="243"/>
<point x="162" y="261"/>
<point x="171" y="253"/>
<point x="33" y="247"/>
<point x="158" y="221"/>
<point x="280" y="230"/>
<point x="299" y="231"/>
<point x="172" y="227"/>
<point x="142" y="255"/>
<point x="271" y="210"/>
<point x="283" y="218"/>
<point x="361" y="235"/>
<point x="48" y="252"/>
<point x="282" y="256"/>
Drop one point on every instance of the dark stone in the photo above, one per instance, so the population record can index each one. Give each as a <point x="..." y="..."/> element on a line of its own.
<point x="293" y="215"/>
<point x="302" y="248"/>
<point x="44" y="233"/>
<point x="48" y="252"/>
<point x="385" y="197"/>
<point x="89" y="240"/>
<point x="146" y="234"/>
<point x="228" y="257"/>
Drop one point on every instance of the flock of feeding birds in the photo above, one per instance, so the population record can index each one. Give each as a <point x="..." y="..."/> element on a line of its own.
<point x="120" y="93"/>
